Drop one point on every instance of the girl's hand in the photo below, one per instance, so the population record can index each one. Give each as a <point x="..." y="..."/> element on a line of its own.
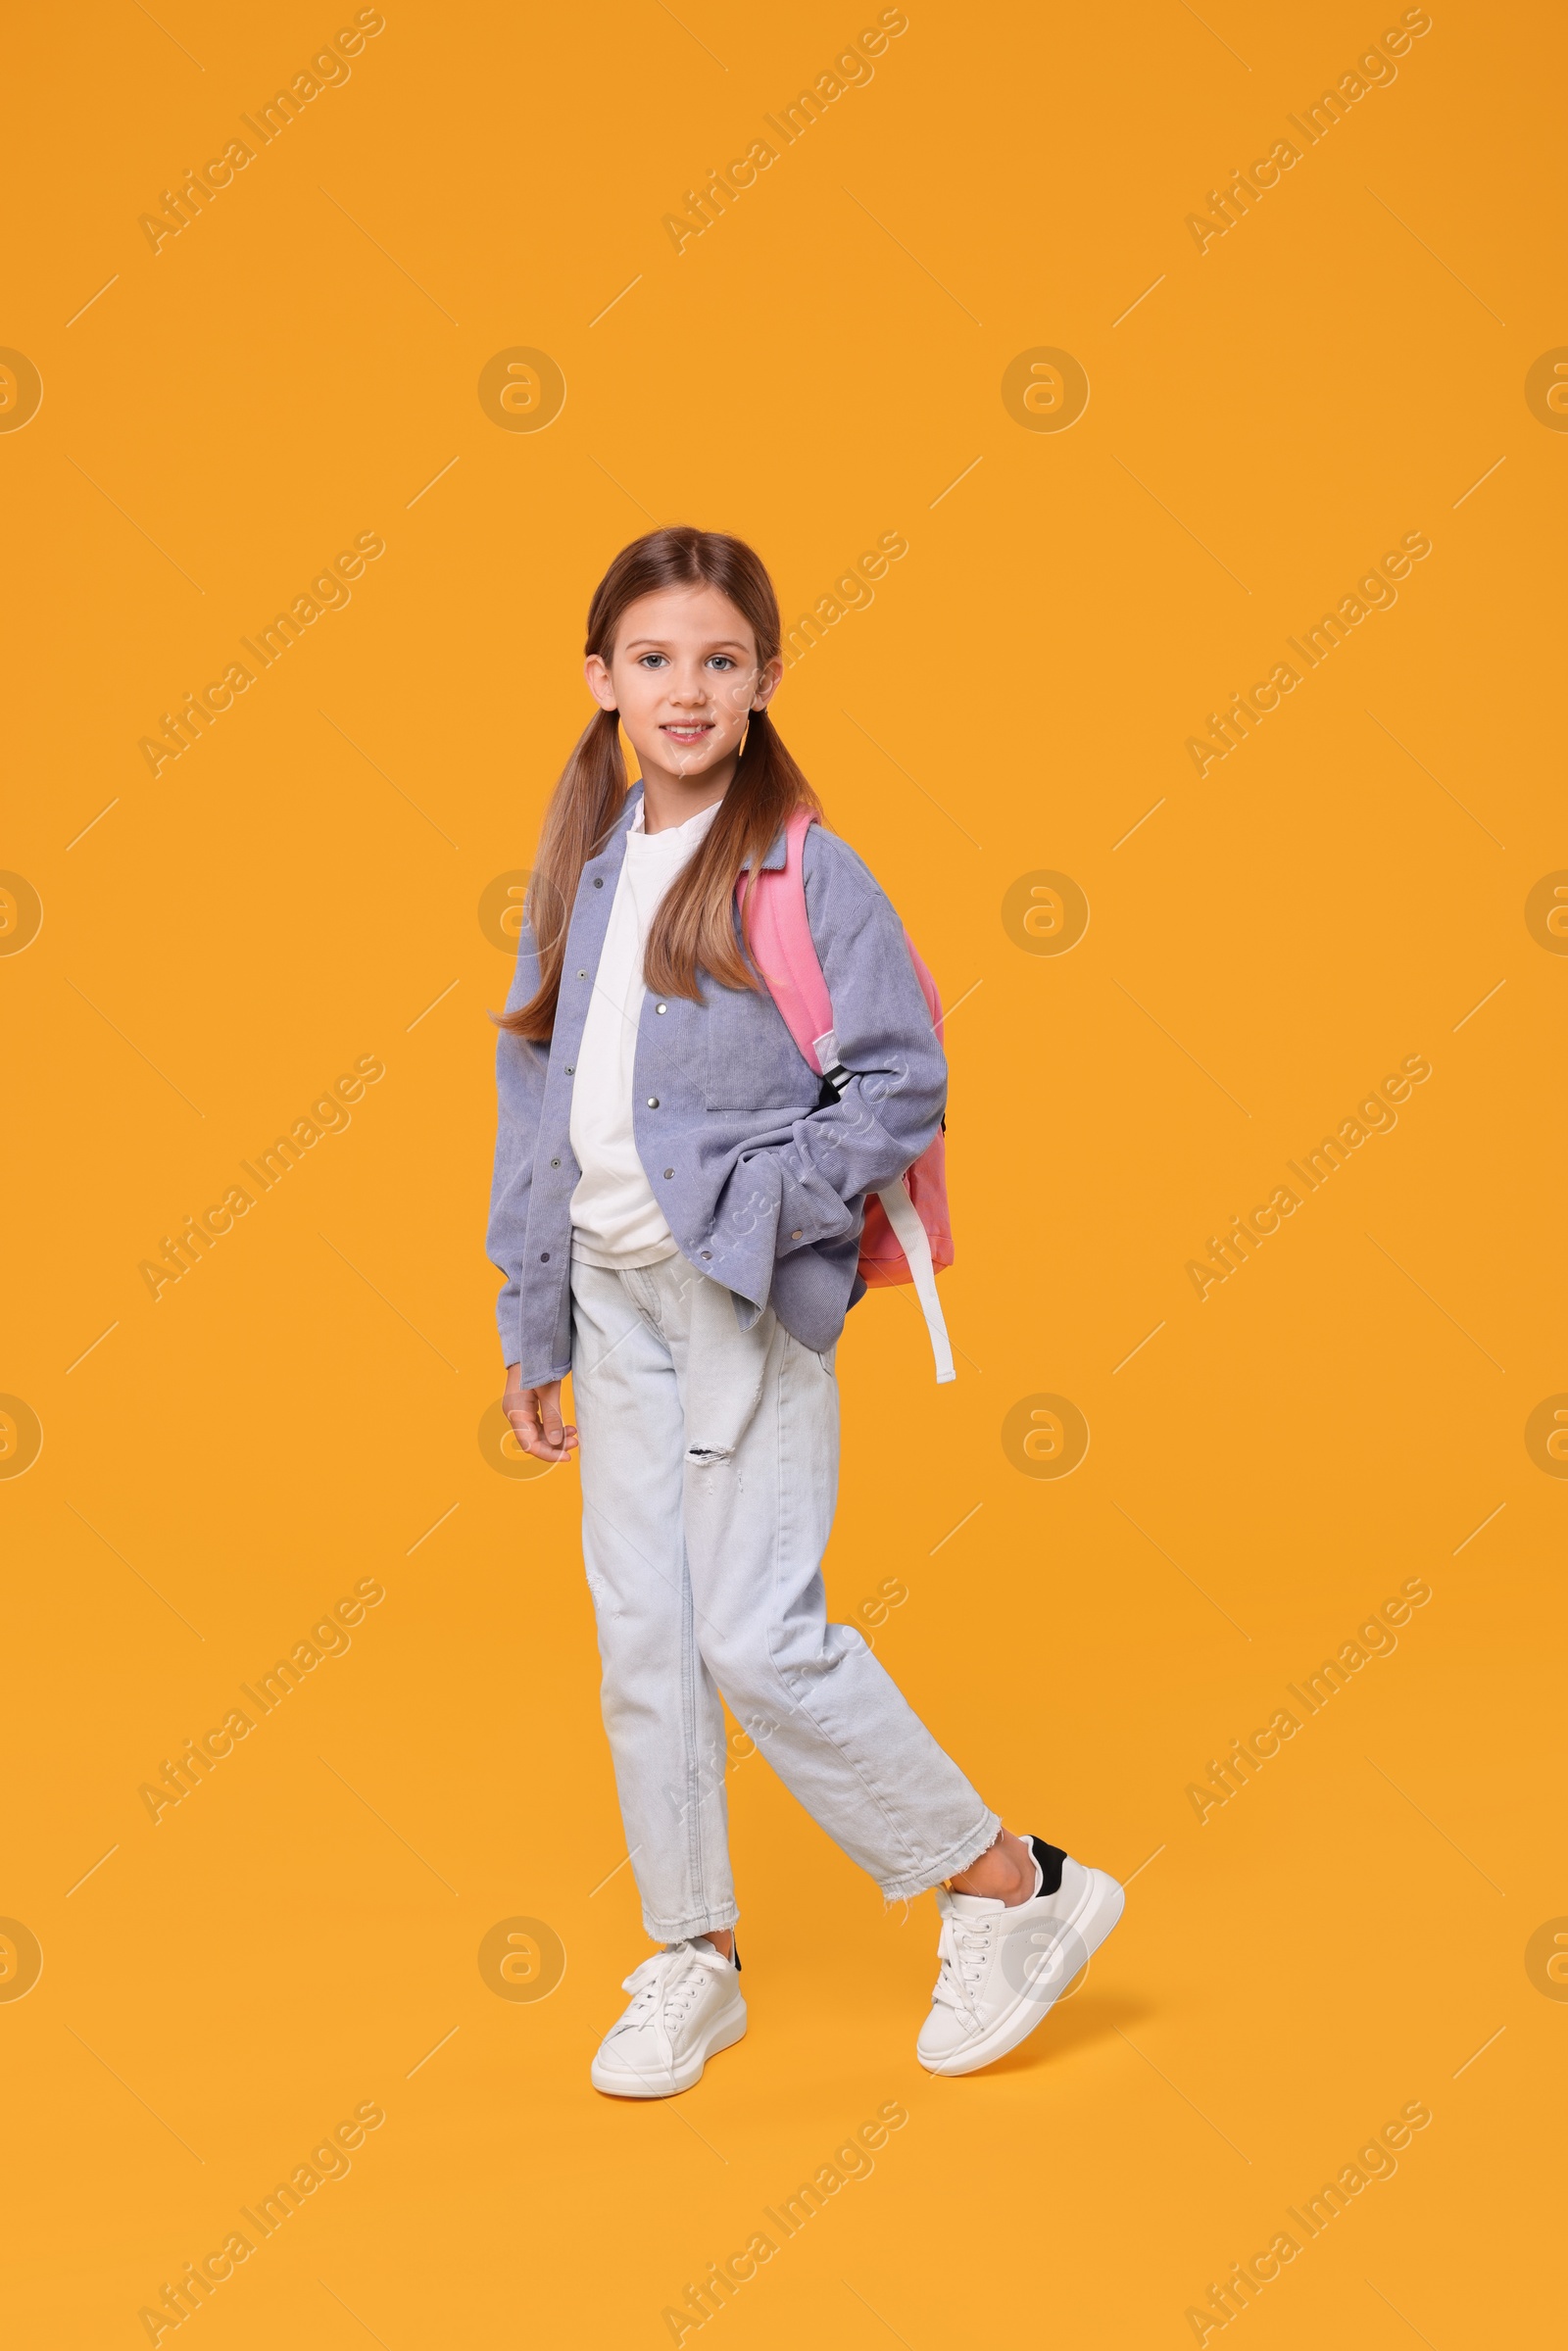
<point x="535" y="1418"/>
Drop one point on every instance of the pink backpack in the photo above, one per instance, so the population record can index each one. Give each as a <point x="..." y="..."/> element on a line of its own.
<point x="907" y="1235"/>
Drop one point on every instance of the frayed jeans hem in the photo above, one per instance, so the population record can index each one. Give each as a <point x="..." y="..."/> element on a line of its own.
<point x="960" y="1857"/>
<point x="712" y="1921"/>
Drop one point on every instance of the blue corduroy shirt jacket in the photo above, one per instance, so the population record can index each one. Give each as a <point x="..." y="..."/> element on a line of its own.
<point x="762" y="1184"/>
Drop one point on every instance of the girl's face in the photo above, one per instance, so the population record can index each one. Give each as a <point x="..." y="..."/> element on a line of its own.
<point x="684" y="674"/>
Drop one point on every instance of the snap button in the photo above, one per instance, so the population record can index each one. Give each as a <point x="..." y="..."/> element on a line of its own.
<point x="660" y="1007"/>
<point x="795" y="1236"/>
<point x="582" y="975"/>
<point x="599" y="881"/>
<point x="653" y="1102"/>
<point x="544" y="1256"/>
<point x="554" y="1162"/>
<point x="571" y="1069"/>
<point x="668" y="1173"/>
<point x="706" y="1253"/>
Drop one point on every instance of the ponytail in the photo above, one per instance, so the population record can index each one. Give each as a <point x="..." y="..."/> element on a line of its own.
<point x="695" y="922"/>
<point x="581" y="816"/>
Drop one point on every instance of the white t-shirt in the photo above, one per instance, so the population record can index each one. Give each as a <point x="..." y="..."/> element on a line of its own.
<point x="616" y="1219"/>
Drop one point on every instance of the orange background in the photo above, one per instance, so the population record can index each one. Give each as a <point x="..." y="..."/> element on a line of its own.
<point x="301" y="887"/>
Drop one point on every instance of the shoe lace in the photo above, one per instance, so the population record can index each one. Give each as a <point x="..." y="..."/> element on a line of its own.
<point x="964" y="1948"/>
<point x="667" y="1985"/>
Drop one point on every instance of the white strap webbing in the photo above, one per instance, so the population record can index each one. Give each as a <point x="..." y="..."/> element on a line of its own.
<point x="910" y="1233"/>
<point x="912" y="1239"/>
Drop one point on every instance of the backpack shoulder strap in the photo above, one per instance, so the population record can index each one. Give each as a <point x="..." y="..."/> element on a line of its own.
<point x="783" y="949"/>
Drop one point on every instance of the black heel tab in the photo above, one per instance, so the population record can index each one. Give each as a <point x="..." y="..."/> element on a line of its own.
<point x="1051" y="1859"/>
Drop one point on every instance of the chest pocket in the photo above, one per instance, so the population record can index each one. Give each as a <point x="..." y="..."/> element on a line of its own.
<point x="753" y="1061"/>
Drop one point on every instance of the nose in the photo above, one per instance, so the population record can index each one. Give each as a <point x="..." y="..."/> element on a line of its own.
<point x="690" y="691"/>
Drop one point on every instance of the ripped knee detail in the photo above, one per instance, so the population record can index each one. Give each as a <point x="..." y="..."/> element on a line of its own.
<point x="705" y="1455"/>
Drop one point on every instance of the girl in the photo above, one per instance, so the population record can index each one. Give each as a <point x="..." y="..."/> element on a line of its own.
<point x="677" y="1207"/>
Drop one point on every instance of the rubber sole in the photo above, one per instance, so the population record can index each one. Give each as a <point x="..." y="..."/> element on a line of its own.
<point x="1104" y="1905"/>
<point x="617" y="2082"/>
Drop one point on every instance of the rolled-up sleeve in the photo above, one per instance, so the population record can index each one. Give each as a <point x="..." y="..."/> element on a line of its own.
<point x="520" y="1068"/>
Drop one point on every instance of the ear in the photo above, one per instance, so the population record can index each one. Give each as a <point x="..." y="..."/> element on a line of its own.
<point x="600" y="687"/>
<point x="767" y="684"/>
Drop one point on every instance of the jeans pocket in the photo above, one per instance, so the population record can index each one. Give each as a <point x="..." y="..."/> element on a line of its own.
<point x="825" y="1356"/>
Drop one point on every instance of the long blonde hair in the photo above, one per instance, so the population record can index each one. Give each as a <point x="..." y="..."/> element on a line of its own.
<point x="695" y="924"/>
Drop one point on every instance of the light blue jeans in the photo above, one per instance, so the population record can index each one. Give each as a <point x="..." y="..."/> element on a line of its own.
<point x="709" y="1461"/>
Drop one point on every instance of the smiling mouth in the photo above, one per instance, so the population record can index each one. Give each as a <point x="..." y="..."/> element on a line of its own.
<point x="692" y="730"/>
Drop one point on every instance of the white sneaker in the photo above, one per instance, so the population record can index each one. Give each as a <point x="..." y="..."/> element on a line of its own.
<point x="686" y="2006"/>
<point x="1003" y="1970"/>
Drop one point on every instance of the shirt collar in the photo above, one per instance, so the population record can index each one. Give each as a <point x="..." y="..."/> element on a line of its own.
<point x="693" y="828"/>
<point x="631" y="817"/>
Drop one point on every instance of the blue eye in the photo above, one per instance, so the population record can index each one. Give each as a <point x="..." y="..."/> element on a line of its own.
<point x="726" y="661"/>
<point x="642" y="660"/>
